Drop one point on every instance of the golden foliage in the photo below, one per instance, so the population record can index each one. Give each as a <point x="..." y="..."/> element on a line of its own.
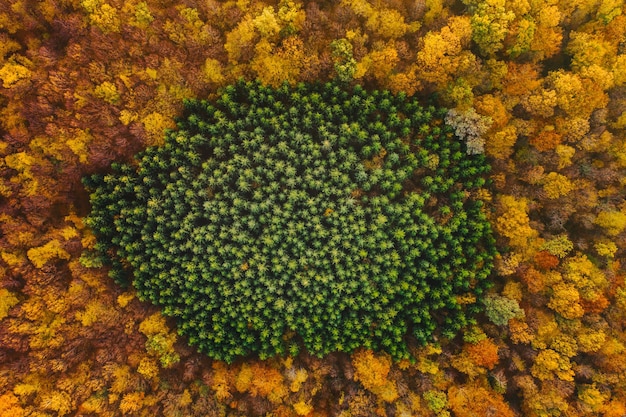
<point x="41" y="255"/>
<point x="303" y="408"/>
<point x="10" y="406"/>
<point x="58" y="401"/>
<point x="550" y="364"/>
<point x="372" y="370"/>
<point x="132" y="402"/>
<point x="7" y="301"/>
<point x="514" y="222"/>
<point x="15" y="71"/>
<point x="565" y="300"/>
<point x="614" y="222"/>
<point x="471" y="401"/>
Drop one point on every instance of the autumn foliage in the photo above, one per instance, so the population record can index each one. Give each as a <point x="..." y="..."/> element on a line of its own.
<point x="538" y="87"/>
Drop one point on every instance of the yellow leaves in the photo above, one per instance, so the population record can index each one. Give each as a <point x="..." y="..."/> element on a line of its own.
<point x="490" y="23"/>
<point x="474" y="401"/>
<point x="132" y="402"/>
<point x="303" y="408"/>
<point x="587" y="49"/>
<point x="299" y="377"/>
<point x="565" y="301"/>
<point x="107" y="91"/>
<point x="212" y="70"/>
<point x="291" y="14"/>
<point x="155" y="124"/>
<point x="148" y="367"/>
<point x="613" y="221"/>
<point x="160" y="343"/>
<point x="549" y="364"/>
<point x="591" y="396"/>
<point x="590" y="340"/>
<point x="600" y="77"/>
<point x="93" y="313"/>
<point x="380" y="62"/>
<point x="78" y="143"/>
<point x="58" y="401"/>
<point x="41" y="255"/>
<point x="220" y="383"/>
<point x="239" y="38"/>
<point x="560" y="246"/>
<point x="499" y="144"/>
<point x="372" y="372"/>
<point x="125" y="298"/>
<point x="266" y="23"/>
<point x="524" y="30"/>
<point x="141" y="14"/>
<point x="605" y="248"/>
<point x="7" y="301"/>
<point x="514" y="222"/>
<point x="386" y="23"/>
<point x="270" y="23"/>
<point x="244" y="378"/>
<point x="153" y="325"/>
<point x="541" y="102"/>
<point x="520" y="331"/>
<point x="15" y="71"/>
<point x="127" y="116"/>
<point x="444" y="54"/>
<point x="389" y="23"/>
<point x="103" y="16"/>
<point x="263" y="380"/>
<point x="22" y="163"/>
<point x="275" y="66"/>
<point x="556" y="185"/>
<point x="565" y="154"/>
<point x="619" y="70"/>
<point x="122" y="377"/>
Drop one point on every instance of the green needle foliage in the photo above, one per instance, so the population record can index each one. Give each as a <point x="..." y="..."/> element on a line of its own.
<point x="307" y="216"/>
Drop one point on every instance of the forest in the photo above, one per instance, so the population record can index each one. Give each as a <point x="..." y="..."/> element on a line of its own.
<point x="512" y="112"/>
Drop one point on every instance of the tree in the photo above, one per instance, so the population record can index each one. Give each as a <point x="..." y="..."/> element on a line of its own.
<point x="445" y="53"/>
<point x="550" y="364"/>
<point x="474" y="400"/>
<point x="372" y="370"/>
<point x="501" y="309"/>
<point x="514" y="223"/>
<point x="490" y="21"/>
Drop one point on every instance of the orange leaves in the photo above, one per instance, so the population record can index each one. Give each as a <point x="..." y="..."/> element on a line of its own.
<point x="546" y="140"/>
<point x="546" y="260"/>
<point x="10" y="406"/>
<point x="372" y="370"/>
<point x="261" y="380"/>
<point x="483" y="353"/>
<point x="475" y="401"/>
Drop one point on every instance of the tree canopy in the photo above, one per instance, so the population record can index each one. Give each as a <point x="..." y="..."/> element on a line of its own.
<point x="313" y="216"/>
